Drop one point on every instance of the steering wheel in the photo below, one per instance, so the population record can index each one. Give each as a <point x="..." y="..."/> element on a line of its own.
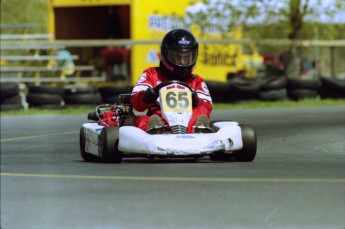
<point x="159" y="86"/>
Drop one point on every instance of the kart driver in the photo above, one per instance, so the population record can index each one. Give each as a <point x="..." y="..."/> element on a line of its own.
<point x="179" y="53"/>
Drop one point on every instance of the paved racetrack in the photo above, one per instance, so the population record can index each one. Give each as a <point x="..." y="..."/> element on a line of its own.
<point x="297" y="179"/>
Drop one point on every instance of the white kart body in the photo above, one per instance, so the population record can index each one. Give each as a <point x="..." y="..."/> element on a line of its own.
<point x="91" y="132"/>
<point x="133" y="140"/>
<point x="228" y="138"/>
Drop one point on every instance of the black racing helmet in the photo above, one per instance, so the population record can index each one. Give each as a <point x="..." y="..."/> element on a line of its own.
<point x="179" y="52"/>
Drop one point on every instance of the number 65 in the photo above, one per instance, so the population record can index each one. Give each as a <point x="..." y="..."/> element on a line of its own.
<point x="180" y="99"/>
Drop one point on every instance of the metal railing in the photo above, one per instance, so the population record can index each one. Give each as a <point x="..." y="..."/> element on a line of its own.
<point x="129" y="42"/>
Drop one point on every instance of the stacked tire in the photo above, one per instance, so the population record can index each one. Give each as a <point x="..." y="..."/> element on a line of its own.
<point x="81" y="96"/>
<point x="218" y="91"/>
<point x="45" y="97"/>
<point x="243" y="90"/>
<point x="111" y="94"/>
<point x="332" y="88"/>
<point x="273" y="89"/>
<point x="10" y="97"/>
<point x="299" y="88"/>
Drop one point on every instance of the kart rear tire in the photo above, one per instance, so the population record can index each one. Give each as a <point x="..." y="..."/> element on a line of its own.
<point x="108" y="145"/>
<point x="248" y="152"/>
<point x="85" y="155"/>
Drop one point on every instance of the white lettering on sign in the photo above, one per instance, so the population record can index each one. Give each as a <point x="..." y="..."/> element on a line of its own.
<point x="164" y="23"/>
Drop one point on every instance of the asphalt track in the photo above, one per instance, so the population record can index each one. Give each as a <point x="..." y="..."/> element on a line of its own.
<point x="297" y="179"/>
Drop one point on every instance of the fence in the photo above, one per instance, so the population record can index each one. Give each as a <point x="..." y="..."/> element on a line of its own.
<point x="331" y="53"/>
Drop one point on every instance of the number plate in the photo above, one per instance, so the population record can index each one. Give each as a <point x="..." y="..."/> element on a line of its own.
<point x="176" y="100"/>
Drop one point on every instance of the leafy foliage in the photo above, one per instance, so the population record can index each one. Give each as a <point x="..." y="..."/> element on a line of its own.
<point x="25" y="12"/>
<point x="294" y="19"/>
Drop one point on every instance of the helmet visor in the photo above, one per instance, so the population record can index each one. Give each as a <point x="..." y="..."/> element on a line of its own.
<point x="182" y="58"/>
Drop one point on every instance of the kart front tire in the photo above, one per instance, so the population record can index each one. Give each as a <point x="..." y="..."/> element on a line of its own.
<point x="108" y="145"/>
<point x="85" y="155"/>
<point x="248" y="152"/>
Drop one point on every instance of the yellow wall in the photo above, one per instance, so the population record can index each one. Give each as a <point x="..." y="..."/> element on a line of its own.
<point x="77" y="3"/>
<point x="151" y="20"/>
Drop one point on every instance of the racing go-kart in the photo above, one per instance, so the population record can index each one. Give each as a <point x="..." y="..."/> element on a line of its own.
<point x="112" y="134"/>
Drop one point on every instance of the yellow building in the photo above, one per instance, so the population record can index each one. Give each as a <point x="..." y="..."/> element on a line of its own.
<point x="150" y="20"/>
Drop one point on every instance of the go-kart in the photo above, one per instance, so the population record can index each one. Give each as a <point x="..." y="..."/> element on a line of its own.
<point x="112" y="134"/>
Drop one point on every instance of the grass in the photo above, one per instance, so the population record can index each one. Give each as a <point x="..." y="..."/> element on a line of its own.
<point x="80" y="110"/>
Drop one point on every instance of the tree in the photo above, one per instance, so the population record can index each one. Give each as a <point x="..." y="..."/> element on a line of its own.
<point x="14" y="12"/>
<point x="286" y="16"/>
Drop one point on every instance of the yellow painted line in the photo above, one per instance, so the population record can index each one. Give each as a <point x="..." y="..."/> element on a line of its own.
<point x="180" y="179"/>
<point x="37" y="136"/>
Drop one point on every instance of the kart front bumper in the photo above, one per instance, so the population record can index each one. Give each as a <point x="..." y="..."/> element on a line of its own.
<point x="135" y="140"/>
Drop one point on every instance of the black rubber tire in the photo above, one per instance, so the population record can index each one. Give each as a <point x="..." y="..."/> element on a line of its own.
<point x="272" y="83"/>
<point x="110" y="99"/>
<point x="218" y="91"/>
<point x="85" y="155"/>
<point x="115" y="90"/>
<point x="297" y="94"/>
<point x="46" y="90"/>
<point x="107" y="145"/>
<point x="34" y="99"/>
<point x="243" y="85"/>
<point x="274" y="95"/>
<point x="71" y="90"/>
<point x="327" y="93"/>
<point x="8" y="90"/>
<point x="338" y="84"/>
<point x="9" y="107"/>
<point x="332" y="88"/>
<point x="297" y="83"/>
<point x="248" y="152"/>
<point x="83" y="99"/>
<point x="241" y="89"/>
<point x="17" y="99"/>
<point x="12" y="103"/>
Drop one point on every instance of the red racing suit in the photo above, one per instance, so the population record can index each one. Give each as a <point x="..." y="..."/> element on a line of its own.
<point x="153" y="76"/>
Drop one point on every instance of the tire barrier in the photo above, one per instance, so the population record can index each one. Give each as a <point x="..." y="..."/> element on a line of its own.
<point x="274" y="95"/>
<point x="219" y="91"/>
<point x="81" y="95"/>
<point x="273" y="89"/>
<point x="45" y="97"/>
<point x="242" y="90"/>
<point x="10" y="97"/>
<point x="44" y="101"/>
<point x="303" y="88"/>
<point x="269" y="89"/>
<point x="332" y="88"/>
<point x="76" y="89"/>
<point x="297" y="94"/>
<point x="273" y="83"/>
<point x="46" y="90"/>
<point x="8" y="90"/>
<point x="110" y="94"/>
<point x="12" y="103"/>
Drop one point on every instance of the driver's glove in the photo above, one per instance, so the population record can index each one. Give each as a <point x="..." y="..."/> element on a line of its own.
<point x="195" y="99"/>
<point x="149" y="96"/>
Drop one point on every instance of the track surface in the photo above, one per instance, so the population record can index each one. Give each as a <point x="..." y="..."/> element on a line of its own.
<point x="296" y="181"/>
